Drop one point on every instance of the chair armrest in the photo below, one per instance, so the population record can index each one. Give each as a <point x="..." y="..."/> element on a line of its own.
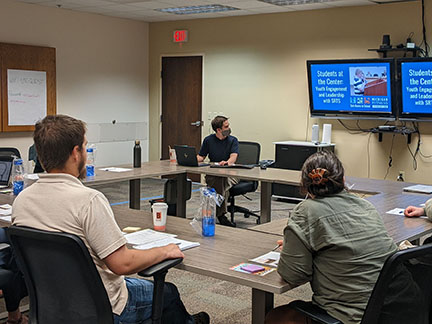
<point x="314" y="312"/>
<point x="4" y="246"/>
<point x="160" y="267"/>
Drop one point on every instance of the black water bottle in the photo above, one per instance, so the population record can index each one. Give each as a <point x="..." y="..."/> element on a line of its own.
<point x="137" y="154"/>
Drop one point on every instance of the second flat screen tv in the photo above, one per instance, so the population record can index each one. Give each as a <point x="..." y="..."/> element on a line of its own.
<point x="415" y="88"/>
<point x="351" y="88"/>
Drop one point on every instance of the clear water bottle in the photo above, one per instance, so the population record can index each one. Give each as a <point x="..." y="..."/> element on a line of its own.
<point x="208" y="213"/>
<point x="90" y="166"/>
<point x="17" y="176"/>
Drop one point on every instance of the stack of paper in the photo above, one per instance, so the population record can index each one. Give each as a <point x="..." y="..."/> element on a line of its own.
<point x="269" y="259"/>
<point x="148" y="238"/>
<point x="114" y="169"/>
<point x="419" y="188"/>
<point x="6" y="212"/>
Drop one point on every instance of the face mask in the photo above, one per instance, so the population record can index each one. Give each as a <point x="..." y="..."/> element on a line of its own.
<point x="226" y="132"/>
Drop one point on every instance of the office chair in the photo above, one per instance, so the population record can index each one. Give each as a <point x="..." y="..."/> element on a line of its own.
<point x="414" y="266"/>
<point x="249" y="153"/>
<point x="8" y="151"/>
<point x="63" y="283"/>
<point x="32" y="156"/>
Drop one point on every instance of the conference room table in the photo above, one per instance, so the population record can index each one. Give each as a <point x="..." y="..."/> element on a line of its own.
<point x="162" y="168"/>
<point x="215" y="255"/>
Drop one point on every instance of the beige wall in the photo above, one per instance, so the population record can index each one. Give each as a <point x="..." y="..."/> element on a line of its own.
<point x="102" y="68"/>
<point x="255" y="72"/>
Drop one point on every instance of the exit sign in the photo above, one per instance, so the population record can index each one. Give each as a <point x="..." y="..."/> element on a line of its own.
<point x="180" y="36"/>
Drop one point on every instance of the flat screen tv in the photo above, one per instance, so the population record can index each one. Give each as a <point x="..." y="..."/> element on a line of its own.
<point x="415" y="88"/>
<point x="356" y="89"/>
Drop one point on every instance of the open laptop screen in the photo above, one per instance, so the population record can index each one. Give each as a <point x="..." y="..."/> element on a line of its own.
<point x="5" y="169"/>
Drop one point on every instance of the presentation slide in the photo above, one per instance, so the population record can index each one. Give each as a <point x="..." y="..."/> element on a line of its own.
<point x="351" y="87"/>
<point x="416" y="81"/>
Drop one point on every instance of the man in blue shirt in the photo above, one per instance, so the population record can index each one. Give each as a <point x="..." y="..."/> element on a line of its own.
<point x="222" y="148"/>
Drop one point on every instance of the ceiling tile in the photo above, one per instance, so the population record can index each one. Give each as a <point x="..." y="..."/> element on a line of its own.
<point x="145" y="9"/>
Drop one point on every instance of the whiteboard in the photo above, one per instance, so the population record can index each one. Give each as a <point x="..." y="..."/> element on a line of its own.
<point x="27" y="96"/>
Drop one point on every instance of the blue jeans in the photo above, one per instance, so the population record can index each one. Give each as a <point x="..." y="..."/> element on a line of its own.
<point x="138" y="308"/>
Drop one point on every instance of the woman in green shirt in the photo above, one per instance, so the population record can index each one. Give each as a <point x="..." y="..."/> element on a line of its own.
<point x="334" y="240"/>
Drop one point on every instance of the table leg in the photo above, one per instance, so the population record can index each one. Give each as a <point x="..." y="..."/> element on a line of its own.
<point x="181" y="194"/>
<point x="135" y="193"/>
<point x="265" y="202"/>
<point x="262" y="303"/>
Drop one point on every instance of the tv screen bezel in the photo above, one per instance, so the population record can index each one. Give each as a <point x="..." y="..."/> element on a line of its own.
<point x="335" y="114"/>
<point x="404" y="116"/>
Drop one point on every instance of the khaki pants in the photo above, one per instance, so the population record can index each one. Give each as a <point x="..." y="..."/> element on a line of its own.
<point x="222" y="187"/>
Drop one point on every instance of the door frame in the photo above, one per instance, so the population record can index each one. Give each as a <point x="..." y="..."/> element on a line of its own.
<point x="161" y="56"/>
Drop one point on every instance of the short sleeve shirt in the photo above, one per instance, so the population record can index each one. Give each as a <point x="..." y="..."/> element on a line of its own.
<point x="219" y="150"/>
<point x="60" y="202"/>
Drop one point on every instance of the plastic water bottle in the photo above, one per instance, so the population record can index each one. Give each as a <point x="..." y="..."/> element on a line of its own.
<point x="90" y="168"/>
<point x="17" y="176"/>
<point x="137" y="155"/>
<point x="209" y="219"/>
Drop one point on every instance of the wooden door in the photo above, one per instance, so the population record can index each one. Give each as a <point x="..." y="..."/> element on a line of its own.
<point x="181" y="102"/>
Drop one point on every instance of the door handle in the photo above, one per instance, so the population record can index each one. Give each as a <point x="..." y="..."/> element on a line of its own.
<point x="198" y="123"/>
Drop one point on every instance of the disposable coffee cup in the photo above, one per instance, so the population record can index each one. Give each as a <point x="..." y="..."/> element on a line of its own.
<point x="159" y="216"/>
<point x="172" y="155"/>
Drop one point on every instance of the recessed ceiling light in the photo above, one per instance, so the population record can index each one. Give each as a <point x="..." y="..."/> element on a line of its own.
<point x="197" y="9"/>
<point x="293" y="2"/>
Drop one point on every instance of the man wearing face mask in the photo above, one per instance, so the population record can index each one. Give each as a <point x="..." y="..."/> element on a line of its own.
<point x="222" y="148"/>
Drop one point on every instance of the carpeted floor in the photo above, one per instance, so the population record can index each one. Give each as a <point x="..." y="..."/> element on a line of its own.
<point x="226" y="303"/>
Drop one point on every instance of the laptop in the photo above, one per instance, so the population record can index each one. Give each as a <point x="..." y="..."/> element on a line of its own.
<point x="186" y="156"/>
<point x="6" y="163"/>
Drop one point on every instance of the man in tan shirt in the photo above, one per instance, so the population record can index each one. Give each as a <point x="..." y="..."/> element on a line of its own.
<point x="58" y="201"/>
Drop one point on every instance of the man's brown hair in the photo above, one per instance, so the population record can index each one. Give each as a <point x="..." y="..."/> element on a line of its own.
<point x="217" y="122"/>
<point x="55" y="138"/>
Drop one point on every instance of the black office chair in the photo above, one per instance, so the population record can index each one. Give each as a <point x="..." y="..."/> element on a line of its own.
<point x="32" y="156"/>
<point x="9" y="151"/>
<point x="414" y="266"/>
<point x="249" y="153"/>
<point x="63" y="283"/>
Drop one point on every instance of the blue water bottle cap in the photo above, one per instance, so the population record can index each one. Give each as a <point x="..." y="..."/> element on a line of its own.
<point x="90" y="150"/>
<point x="18" y="162"/>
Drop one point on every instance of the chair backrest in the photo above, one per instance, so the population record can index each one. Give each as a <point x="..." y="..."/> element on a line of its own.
<point x="403" y="291"/>
<point x="61" y="277"/>
<point x="9" y="151"/>
<point x="249" y="153"/>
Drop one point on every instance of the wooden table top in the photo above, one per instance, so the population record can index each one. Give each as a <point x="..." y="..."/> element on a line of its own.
<point x="399" y="227"/>
<point x="272" y="175"/>
<point x="215" y="255"/>
<point x="147" y="170"/>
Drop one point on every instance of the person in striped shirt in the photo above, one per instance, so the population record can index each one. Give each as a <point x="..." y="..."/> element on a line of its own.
<point x="359" y="82"/>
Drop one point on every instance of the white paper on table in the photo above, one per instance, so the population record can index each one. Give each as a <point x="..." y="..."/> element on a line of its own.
<point x="114" y="169"/>
<point x="269" y="259"/>
<point x="396" y="211"/>
<point x="6" y="218"/>
<point x="146" y="236"/>
<point x="5" y="210"/>
<point x="419" y="188"/>
<point x="182" y="244"/>
<point x="32" y="176"/>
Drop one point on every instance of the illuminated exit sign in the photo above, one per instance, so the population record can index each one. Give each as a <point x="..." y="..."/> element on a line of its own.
<point x="180" y="36"/>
